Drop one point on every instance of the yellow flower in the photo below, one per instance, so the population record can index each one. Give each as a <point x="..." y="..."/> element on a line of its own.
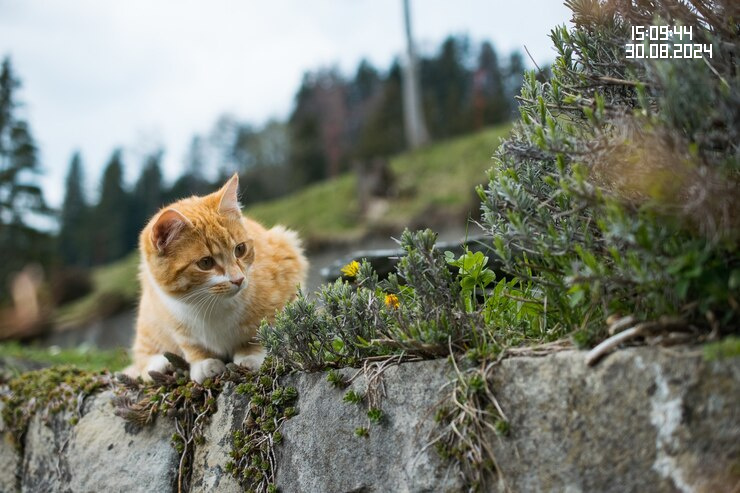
<point x="351" y="269"/>
<point x="391" y="301"/>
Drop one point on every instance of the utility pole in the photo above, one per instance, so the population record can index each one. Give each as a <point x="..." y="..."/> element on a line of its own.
<point x="413" y="112"/>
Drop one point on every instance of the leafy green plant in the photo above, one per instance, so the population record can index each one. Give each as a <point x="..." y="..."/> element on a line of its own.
<point x="375" y="415"/>
<point x="416" y="311"/>
<point x="336" y="379"/>
<point x="473" y="276"/>
<point x="353" y="397"/>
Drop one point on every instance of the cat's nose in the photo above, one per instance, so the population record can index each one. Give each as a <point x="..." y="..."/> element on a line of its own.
<point x="237" y="281"/>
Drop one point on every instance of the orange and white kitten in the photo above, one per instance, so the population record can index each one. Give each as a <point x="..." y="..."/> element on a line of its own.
<point x="209" y="276"/>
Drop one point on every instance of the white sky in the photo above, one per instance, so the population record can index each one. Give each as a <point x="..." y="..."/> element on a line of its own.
<point x="98" y="74"/>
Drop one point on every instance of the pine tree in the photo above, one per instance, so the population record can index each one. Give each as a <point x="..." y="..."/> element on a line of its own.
<point x="382" y="135"/>
<point x="447" y="83"/>
<point x="74" y="235"/>
<point x="514" y="78"/>
<point x="364" y="96"/>
<point x="20" y="197"/>
<point x="110" y="240"/>
<point x="146" y="199"/>
<point x="491" y="103"/>
<point x="308" y="159"/>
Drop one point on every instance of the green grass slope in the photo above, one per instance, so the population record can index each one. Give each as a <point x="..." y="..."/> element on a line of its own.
<point x="16" y="358"/>
<point x="438" y="179"/>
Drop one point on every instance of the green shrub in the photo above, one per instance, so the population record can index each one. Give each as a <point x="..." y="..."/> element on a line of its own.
<point x="417" y="311"/>
<point x="422" y="310"/>
<point x="617" y="192"/>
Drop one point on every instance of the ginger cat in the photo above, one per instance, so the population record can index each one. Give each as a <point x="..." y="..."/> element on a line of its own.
<point x="209" y="276"/>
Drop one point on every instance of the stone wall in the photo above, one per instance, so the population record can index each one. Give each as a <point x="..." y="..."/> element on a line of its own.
<point x="644" y="419"/>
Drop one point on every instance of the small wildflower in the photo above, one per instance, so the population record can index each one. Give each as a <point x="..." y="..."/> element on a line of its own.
<point x="391" y="301"/>
<point x="351" y="269"/>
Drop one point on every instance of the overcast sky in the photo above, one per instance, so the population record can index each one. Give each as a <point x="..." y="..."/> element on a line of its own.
<point x="98" y="74"/>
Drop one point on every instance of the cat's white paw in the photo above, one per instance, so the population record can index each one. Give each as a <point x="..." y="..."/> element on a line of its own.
<point x="156" y="363"/>
<point x="252" y="361"/>
<point x="206" y="368"/>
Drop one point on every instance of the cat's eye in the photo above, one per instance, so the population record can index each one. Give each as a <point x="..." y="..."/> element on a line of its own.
<point x="206" y="263"/>
<point x="240" y="249"/>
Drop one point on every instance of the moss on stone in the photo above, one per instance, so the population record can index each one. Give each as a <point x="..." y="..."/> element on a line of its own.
<point x="726" y="348"/>
<point x="48" y="391"/>
<point x="270" y="405"/>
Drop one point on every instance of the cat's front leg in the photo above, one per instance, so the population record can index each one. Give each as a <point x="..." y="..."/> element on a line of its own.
<point x="158" y="363"/>
<point x="147" y="355"/>
<point x="204" y="369"/>
<point x="203" y="363"/>
<point x="250" y="355"/>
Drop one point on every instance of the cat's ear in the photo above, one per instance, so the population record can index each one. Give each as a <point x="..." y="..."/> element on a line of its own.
<point x="229" y="200"/>
<point x="167" y="227"/>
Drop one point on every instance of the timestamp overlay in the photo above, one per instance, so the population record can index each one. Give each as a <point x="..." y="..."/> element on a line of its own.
<point x="664" y="42"/>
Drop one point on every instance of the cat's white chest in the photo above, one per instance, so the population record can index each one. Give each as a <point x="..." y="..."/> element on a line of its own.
<point x="214" y="322"/>
<point x="217" y="328"/>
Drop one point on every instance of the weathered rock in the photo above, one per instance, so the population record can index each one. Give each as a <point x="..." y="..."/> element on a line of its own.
<point x="10" y="459"/>
<point x="642" y="420"/>
<point x="210" y="459"/>
<point x="100" y="453"/>
<point x="44" y="465"/>
<point x="321" y="452"/>
<point x="141" y="459"/>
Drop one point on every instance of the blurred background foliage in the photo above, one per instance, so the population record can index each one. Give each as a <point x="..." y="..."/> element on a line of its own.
<point x="343" y="142"/>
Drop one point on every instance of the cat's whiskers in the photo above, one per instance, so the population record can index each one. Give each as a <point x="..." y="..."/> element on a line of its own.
<point x="205" y="310"/>
<point x="210" y="306"/>
<point x="186" y="297"/>
<point x="216" y="299"/>
<point x="200" y="300"/>
<point x="198" y="307"/>
<point x="203" y="305"/>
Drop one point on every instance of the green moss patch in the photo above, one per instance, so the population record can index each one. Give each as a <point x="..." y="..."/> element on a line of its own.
<point x="270" y="405"/>
<point x="49" y="391"/>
